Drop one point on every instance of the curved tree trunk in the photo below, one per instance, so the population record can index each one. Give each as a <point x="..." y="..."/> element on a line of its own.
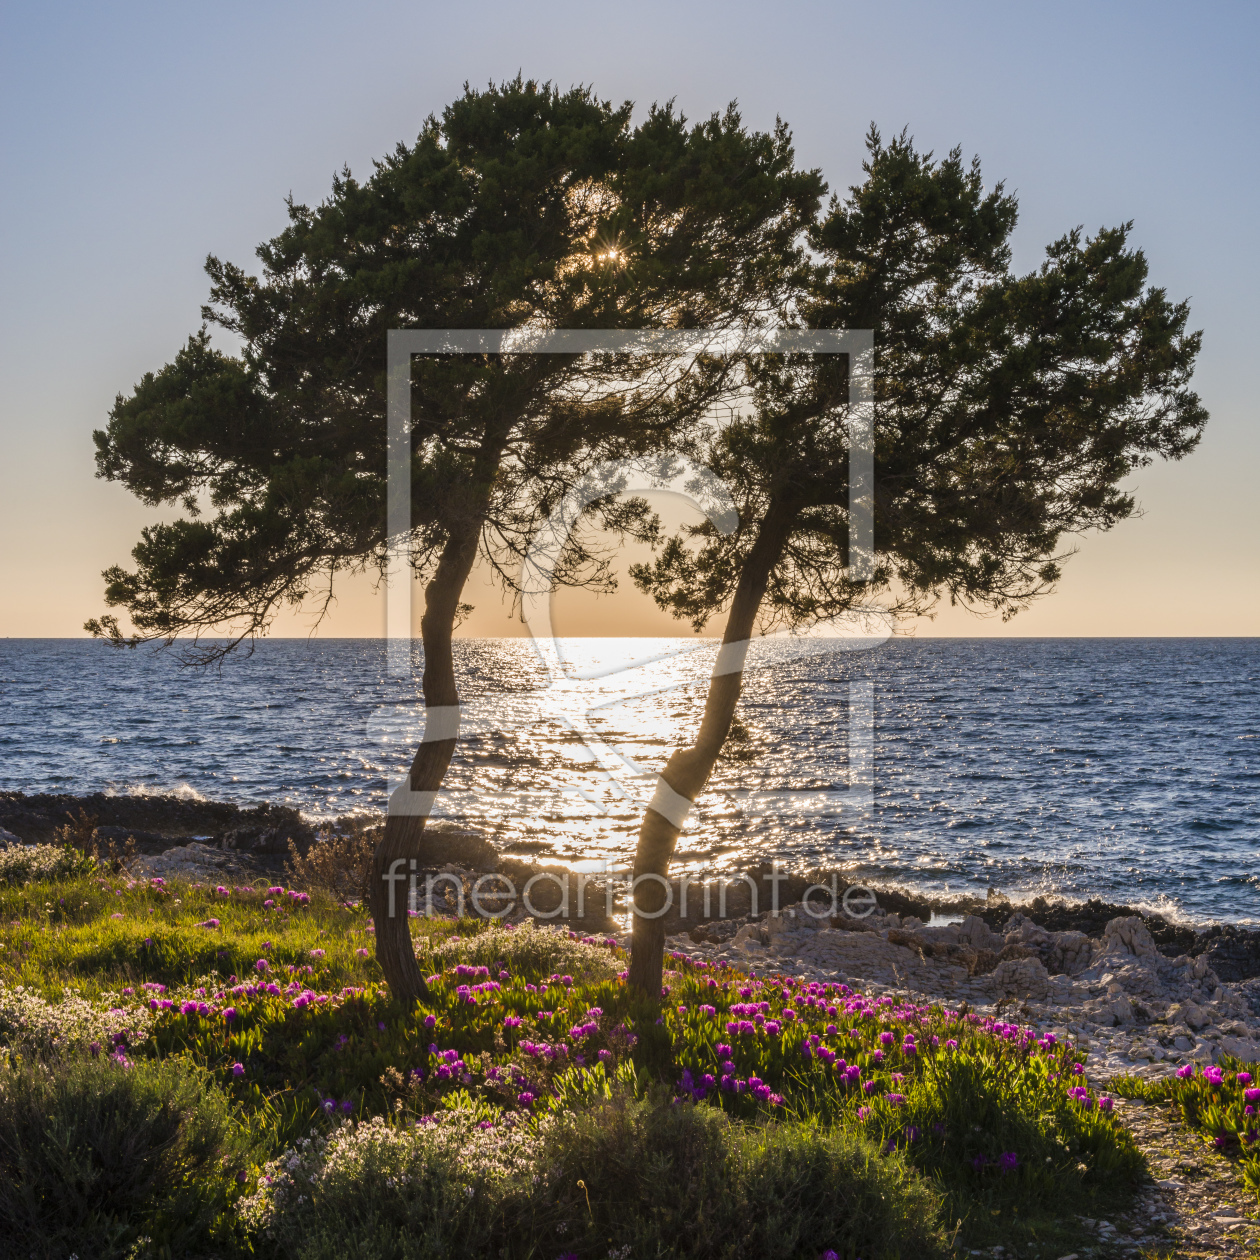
<point x="688" y="770"/>
<point x="394" y="860"/>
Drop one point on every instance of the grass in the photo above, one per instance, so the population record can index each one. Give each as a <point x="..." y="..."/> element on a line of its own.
<point x="105" y="934"/>
<point x="1219" y="1102"/>
<point x="878" y="1128"/>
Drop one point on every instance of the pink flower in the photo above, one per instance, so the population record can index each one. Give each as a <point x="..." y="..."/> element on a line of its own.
<point x="317" y="953"/>
<point x="238" y="1069"/>
<point x="362" y="953"/>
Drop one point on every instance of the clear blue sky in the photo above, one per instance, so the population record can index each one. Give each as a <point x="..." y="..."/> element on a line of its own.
<point x="138" y="138"/>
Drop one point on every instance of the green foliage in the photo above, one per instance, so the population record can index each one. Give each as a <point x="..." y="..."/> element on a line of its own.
<point x="579" y="1179"/>
<point x="1221" y="1103"/>
<point x="984" y="1109"/>
<point x="536" y="1030"/>
<point x="719" y="1188"/>
<point x="108" y="934"/>
<point x="95" y="1156"/>
<point x="29" y="1023"/>
<point x="520" y="207"/>
<point x="975" y="1106"/>
<point x="1008" y="409"/>
<point x="525" y="951"/>
<point x="35" y="863"/>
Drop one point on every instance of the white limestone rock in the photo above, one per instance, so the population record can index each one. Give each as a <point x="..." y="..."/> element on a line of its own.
<point x="1129" y="935"/>
<point x="1021" y="977"/>
<point x="974" y="931"/>
<point x="1069" y="953"/>
<point x="193" y="861"/>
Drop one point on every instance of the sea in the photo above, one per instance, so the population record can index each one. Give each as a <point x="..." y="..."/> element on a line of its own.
<point x="1127" y="769"/>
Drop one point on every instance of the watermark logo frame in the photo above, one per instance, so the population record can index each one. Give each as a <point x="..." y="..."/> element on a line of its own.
<point x="700" y="487"/>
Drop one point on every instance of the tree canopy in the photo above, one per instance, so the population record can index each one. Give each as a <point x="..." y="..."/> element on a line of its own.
<point x="522" y="208"/>
<point x="1008" y="412"/>
<point x="1009" y="409"/>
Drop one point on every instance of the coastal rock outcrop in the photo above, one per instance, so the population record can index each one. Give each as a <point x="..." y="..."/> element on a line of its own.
<point x="1021" y="977"/>
<point x="1130" y="1006"/>
<point x="1129" y="935"/>
<point x="1232" y="952"/>
<point x="195" y="862"/>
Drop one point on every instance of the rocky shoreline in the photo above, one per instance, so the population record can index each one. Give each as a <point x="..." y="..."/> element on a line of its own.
<point x="1140" y="993"/>
<point x="1134" y="1007"/>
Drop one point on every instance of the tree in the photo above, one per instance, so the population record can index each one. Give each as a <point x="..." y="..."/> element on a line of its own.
<point x="1008" y="410"/>
<point x="521" y="208"/>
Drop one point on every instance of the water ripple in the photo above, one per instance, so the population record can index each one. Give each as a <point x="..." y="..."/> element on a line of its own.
<point x="1122" y="768"/>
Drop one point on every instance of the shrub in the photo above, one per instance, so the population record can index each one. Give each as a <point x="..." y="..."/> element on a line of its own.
<point x="29" y="1022"/>
<point x="340" y="866"/>
<point x="624" y="1177"/>
<point x="96" y="1154"/>
<point x="687" y="1180"/>
<point x="529" y="950"/>
<point x="383" y="1189"/>
<point x="24" y="864"/>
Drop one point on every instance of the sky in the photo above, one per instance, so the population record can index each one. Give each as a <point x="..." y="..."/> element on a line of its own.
<point x="138" y="138"/>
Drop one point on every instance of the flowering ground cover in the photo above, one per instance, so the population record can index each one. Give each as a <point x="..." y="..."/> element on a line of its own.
<point x="1219" y="1101"/>
<point x="536" y="1089"/>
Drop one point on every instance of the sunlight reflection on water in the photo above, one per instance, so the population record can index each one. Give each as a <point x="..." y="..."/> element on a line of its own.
<point x="1125" y="768"/>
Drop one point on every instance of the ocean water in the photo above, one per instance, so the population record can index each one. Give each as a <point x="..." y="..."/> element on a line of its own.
<point x="1123" y="768"/>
